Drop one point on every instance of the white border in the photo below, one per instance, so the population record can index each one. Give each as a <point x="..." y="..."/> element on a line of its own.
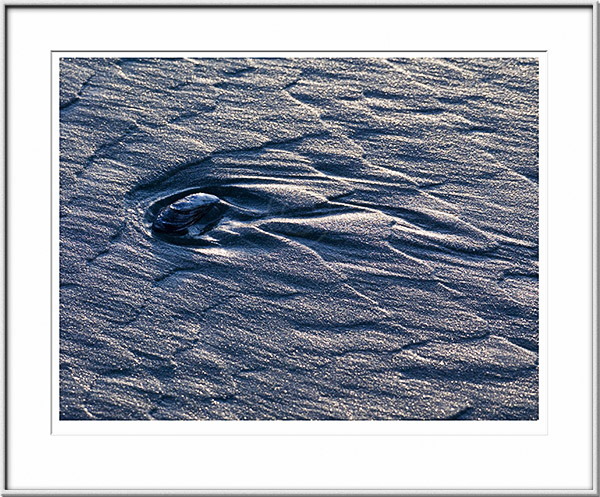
<point x="224" y="427"/>
<point x="557" y="463"/>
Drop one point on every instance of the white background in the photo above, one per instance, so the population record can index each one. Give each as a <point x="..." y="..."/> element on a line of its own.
<point x="560" y="458"/>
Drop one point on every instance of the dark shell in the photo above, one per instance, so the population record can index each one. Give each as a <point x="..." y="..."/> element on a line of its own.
<point x="175" y="218"/>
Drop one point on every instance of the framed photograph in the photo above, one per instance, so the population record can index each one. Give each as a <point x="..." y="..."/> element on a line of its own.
<point x="300" y="249"/>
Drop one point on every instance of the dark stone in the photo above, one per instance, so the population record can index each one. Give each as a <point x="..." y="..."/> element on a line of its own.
<point x="175" y="218"/>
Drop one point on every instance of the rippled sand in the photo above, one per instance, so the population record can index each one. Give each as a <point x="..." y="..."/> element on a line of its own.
<point x="376" y="255"/>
